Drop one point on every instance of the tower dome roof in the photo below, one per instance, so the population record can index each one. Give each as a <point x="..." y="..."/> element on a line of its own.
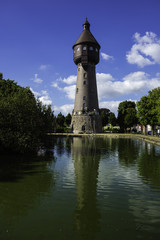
<point x="86" y="36"/>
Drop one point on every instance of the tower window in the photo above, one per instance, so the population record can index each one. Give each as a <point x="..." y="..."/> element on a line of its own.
<point x="91" y="48"/>
<point x="84" y="106"/>
<point x="83" y="128"/>
<point x="77" y="90"/>
<point x="84" y="97"/>
<point x="96" y="50"/>
<point x="78" y="49"/>
<point x="84" y="82"/>
<point x="85" y="75"/>
<point x="84" y="48"/>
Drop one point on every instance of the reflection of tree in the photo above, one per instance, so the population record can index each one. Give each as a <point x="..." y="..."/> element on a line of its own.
<point x="62" y="144"/>
<point x="24" y="182"/>
<point x="127" y="150"/>
<point x="149" y="165"/>
<point x="86" y="163"/>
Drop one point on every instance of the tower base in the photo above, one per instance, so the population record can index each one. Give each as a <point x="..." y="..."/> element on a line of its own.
<point x="86" y="124"/>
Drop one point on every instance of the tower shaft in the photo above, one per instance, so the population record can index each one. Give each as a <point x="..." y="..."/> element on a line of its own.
<point x="86" y="98"/>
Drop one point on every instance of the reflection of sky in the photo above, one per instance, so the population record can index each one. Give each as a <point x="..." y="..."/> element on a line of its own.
<point x="65" y="166"/>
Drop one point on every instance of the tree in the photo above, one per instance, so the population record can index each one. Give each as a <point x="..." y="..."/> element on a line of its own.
<point x="60" y="120"/>
<point x="23" y="120"/>
<point x="127" y="115"/>
<point x="104" y="112"/>
<point x="148" y="108"/>
<point x="143" y="113"/>
<point x="68" y="119"/>
<point x="112" y="119"/>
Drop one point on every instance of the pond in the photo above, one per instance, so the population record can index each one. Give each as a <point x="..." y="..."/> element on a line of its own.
<point x="82" y="188"/>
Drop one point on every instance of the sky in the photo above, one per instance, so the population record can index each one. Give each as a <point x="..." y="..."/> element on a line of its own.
<point x="36" y="48"/>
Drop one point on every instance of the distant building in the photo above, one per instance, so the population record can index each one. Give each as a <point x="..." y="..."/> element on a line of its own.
<point x="85" y="116"/>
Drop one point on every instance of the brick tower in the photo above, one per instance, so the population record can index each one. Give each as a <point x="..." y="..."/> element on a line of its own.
<point x="85" y="116"/>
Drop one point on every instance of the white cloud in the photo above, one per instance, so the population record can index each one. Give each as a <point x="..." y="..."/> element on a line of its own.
<point x="43" y="67"/>
<point x="55" y="85"/>
<point x="37" y="79"/>
<point x="111" y="105"/>
<point x="106" y="56"/>
<point x="146" y="50"/>
<point x="110" y="88"/>
<point x="64" y="109"/>
<point x="43" y="96"/>
<point x="70" y="80"/>
<point x="36" y="94"/>
<point x="70" y="91"/>
<point x="133" y="83"/>
<point x="45" y="99"/>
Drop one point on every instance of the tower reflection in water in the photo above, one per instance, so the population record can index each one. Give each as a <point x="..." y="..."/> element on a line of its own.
<point x="86" y="164"/>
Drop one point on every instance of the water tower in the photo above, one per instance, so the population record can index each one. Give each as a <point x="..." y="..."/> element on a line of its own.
<point x="85" y="116"/>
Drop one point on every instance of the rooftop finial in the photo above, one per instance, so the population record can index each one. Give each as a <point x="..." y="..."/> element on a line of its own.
<point x="86" y="25"/>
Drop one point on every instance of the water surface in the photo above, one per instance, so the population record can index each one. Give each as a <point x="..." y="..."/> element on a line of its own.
<point x="82" y="188"/>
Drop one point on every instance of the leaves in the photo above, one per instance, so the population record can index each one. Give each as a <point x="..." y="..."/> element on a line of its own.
<point x="23" y="119"/>
<point x="149" y="108"/>
<point x="127" y="115"/>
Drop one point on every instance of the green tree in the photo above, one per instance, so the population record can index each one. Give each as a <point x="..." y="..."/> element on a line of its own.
<point x="1" y="76"/>
<point x="23" y="121"/>
<point x="68" y="119"/>
<point x="143" y="111"/>
<point x="60" y="119"/>
<point x="148" y="109"/>
<point x="104" y="112"/>
<point x="112" y="119"/>
<point x="127" y="115"/>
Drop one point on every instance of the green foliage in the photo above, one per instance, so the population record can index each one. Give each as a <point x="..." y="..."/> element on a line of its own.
<point x="127" y="115"/>
<point x="68" y="119"/>
<point x="23" y="119"/>
<point x="60" y="120"/>
<point x="149" y="108"/>
<point x="112" y="119"/>
<point x="104" y="112"/>
<point x="63" y="123"/>
<point x="142" y="113"/>
<point x="1" y="76"/>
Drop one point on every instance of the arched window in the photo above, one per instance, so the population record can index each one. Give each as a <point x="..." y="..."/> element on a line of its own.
<point x="83" y="128"/>
<point x="84" y="106"/>
<point x="91" y="48"/>
<point x="84" y="82"/>
<point x="85" y="75"/>
<point x="84" y="48"/>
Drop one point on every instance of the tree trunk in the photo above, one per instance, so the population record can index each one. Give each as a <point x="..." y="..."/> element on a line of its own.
<point x="145" y="130"/>
<point x="152" y="130"/>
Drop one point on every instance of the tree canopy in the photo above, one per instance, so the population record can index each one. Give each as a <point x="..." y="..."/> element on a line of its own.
<point x="149" y="108"/>
<point x="127" y="115"/>
<point x="23" y="119"/>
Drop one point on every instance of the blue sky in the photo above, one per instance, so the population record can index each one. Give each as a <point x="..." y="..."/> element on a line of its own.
<point x="36" y="47"/>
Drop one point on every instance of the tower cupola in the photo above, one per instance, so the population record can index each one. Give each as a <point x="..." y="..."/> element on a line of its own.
<point x="86" y="48"/>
